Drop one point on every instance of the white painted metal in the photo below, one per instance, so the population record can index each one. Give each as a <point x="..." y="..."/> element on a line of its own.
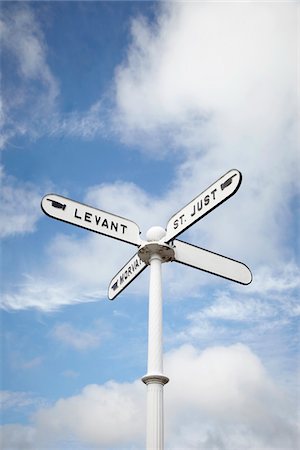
<point x="155" y="378"/>
<point x="214" y="263"/>
<point x="208" y="200"/>
<point x="125" y="276"/>
<point x="154" y="254"/>
<point x="92" y="219"/>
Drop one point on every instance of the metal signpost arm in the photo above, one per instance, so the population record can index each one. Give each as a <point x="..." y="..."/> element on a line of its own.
<point x="90" y="218"/>
<point x="207" y="201"/>
<point x="222" y="266"/>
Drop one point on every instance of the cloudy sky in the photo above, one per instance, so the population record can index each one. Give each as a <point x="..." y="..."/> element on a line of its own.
<point x="135" y="108"/>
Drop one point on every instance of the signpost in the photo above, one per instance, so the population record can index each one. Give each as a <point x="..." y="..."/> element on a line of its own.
<point x="161" y="246"/>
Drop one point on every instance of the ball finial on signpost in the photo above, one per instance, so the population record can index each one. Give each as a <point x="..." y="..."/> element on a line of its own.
<point x="155" y="234"/>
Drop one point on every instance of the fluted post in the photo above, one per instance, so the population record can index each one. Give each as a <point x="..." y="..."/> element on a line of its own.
<point x="155" y="379"/>
<point x="154" y="253"/>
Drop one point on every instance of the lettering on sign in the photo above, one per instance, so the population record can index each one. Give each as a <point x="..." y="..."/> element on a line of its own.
<point x="99" y="221"/>
<point x="125" y="276"/>
<point x="196" y="208"/>
<point x="128" y="272"/>
<point x="93" y="219"/>
<point x="224" y="188"/>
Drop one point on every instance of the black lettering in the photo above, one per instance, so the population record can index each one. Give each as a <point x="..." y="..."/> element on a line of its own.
<point x="181" y="219"/>
<point x="194" y="211"/>
<point x="199" y="205"/>
<point x="75" y="215"/>
<point x="206" y="200"/>
<point x="87" y="217"/>
<point x="123" y="227"/>
<point x="104" y="223"/>
<point x="125" y="274"/>
<point x="129" y="270"/>
<point x="97" y="219"/>
<point x="114" y="225"/>
<point x="121" y="278"/>
<point x="175" y="224"/>
<point x="213" y="193"/>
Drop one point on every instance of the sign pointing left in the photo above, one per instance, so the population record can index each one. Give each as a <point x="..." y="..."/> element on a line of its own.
<point x="92" y="219"/>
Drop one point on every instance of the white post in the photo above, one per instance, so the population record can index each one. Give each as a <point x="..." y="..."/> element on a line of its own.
<point x="155" y="379"/>
<point x="154" y="253"/>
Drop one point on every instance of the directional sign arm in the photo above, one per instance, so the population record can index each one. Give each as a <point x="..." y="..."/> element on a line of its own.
<point x="93" y="219"/>
<point x="214" y="263"/>
<point x="205" y="202"/>
<point x="125" y="276"/>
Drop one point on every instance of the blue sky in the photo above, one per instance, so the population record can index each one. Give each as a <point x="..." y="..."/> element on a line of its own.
<point x="135" y="108"/>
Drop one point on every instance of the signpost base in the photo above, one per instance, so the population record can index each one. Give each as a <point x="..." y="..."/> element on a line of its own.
<point x="155" y="411"/>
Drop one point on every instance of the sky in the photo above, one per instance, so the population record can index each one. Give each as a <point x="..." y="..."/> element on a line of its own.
<point x="135" y="108"/>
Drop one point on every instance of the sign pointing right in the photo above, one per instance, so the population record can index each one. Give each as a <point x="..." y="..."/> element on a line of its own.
<point x="211" y="262"/>
<point x="208" y="200"/>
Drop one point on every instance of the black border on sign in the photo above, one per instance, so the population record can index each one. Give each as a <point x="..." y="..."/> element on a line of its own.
<point x="212" y="273"/>
<point x="86" y="228"/>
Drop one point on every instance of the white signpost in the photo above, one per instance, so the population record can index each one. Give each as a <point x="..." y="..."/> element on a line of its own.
<point x="208" y="200"/>
<point x="92" y="219"/>
<point x="161" y="246"/>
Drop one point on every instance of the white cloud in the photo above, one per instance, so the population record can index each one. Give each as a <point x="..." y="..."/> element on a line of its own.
<point x="19" y="206"/>
<point x="228" y="308"/>
<point x="223" y="389"/>
<point x="74" y="338"/>
<point x="203" y="60"/>
<point x="103" y="416"/>
<point x="15" y="436"/>
<point x="221" y="397"/>
<point x="217" y="81"/>
<point x="285" y="279"/>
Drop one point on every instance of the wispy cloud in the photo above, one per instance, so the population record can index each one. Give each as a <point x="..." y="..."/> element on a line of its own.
<point x="68" y="335"/>
<point x="32" y="363"/>
<point x="33" y="87"/>
<point x="43" y="294"/>
<point x="19" y="206"/>
<point x="84" y="124"/>
<point x="29" y="105"/>
<point x="263" y="319"/>
<point x="20" y="401"/>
